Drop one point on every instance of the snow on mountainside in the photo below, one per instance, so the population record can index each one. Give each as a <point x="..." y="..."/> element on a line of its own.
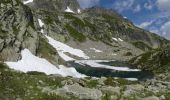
<point x="63" y="48"/>
<point x="69" y="10"/>
<point x="27" y="1"/>
<point x="96" y="63"/>
<point x="29" y="62"/>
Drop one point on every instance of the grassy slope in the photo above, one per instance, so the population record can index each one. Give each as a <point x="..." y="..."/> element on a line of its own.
<point x="155" y="60"/>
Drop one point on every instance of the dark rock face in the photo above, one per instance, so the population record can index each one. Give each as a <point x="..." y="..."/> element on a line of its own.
<point x="55" y="5"/>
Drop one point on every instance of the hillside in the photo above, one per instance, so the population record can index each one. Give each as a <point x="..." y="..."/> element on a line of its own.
<point x="157" y="60"/>
<point x="50" y="49"/>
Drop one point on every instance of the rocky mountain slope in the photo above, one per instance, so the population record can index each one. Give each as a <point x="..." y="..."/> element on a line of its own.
<point x="156" y="60"/>
<point x="97" y="29"/>
<point x="18" y="30"/>
<point x="94" y="29"/>
<point x="37" y="37"/>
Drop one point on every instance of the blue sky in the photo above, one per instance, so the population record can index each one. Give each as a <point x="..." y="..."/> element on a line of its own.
<point x="137" y="11"/>
<point x="144" y="13"/>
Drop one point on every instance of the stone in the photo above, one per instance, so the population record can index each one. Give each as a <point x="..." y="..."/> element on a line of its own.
<point x="111" y="90"/>
<point x="162" y="97"/>
<point x="81" y="92"/>
<point x="136" y="87"/>
<point x="101" y="80"/>
<point x="151" y="98"/>
<point x="1" y="44"/>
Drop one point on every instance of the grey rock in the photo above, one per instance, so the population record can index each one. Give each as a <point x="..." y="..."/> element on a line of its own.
<point x="111" y="90"/>
<point x="151" y="98"/>
<point x="1" y="44"/>
<point x="101" y="80"/>
<point x="81" y="92"/>
<point x="8" y="54"/>
<point x="136" y="87"/>
<point x="162" y="97"/>
<point x="55" y="5"/>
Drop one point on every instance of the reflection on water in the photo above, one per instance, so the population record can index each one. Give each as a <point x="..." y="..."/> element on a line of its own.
<point x="99" y="72"/>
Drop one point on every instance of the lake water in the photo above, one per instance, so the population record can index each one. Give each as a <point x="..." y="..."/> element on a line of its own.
<point x="99" y="68"/>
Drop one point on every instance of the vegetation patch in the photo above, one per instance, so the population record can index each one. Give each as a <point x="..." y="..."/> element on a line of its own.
<point x="141" y="45"/>
<point x="75" y="34"/>
<point x="15" y="85"/>
<point x="155" y="60"/>
<point x="45" y="50"/>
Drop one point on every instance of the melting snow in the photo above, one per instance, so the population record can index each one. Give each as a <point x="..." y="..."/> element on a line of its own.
<point x="41" y="25"/>
<point x="29" y="62"/>
<point x="120" y="39"/>
<point x="96" y="50"/>
<point x="28" y="1"/>
<point x="63" y="48"/>
<point x="69" y="10"/>
<point x="65" y="57"/>
<point x="95" y="63"/>
<point x="132" y="79"/>
<point x="79" y="11"/>
<point x="117" y="39"/>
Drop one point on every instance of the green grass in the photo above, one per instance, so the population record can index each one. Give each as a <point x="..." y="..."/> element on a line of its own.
<point x="19" y="85"/>
<point x="75" y="34"/>
<point x="141" y="45"/>
<point x="113" y="82"/>
<point x="92" y="83"/>
<point x="75" y="20"/>
<point x="157" y="60"/>
<point x="45" y="50"/>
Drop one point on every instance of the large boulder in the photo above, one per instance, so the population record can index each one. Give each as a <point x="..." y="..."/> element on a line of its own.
<point x="81" y="92"/>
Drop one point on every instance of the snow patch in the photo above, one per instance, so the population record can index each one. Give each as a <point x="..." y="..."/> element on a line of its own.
<point x="96" y="50"/>
<point x="63" y="48"/>
<point x="120" y="39"/>
<point x="41" y="25"/>
<point x="65" y="57"/>
<point x="69" y="10"/>
<point x="29" y="62"/>
<point x="129" y="79"/>
<point x="27" y="1"/>
<point x="117" y="39"/>
<point x="132" y="79"/>
<point x="95" y="63"/>
<point x="79" y="11"/>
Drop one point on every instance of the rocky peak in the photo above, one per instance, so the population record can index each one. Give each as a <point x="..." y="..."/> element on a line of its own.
<point x="55" y="5"/>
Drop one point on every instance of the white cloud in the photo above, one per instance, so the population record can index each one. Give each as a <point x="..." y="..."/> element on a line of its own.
<point x="145" y="24"/>
<point x="165" y="29"/>
<point x="163" y="5"/>
<point x="123" y="5"/>
<point x="88" y="3"/>
<point x="137" y="9"/>
<point x="148" y="6"/>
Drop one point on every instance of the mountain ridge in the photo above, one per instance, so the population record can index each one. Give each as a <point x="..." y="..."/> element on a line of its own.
<point x="37" y="46"/>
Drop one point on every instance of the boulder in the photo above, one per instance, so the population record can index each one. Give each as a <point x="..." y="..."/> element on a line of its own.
<point x="81" y="92"/>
